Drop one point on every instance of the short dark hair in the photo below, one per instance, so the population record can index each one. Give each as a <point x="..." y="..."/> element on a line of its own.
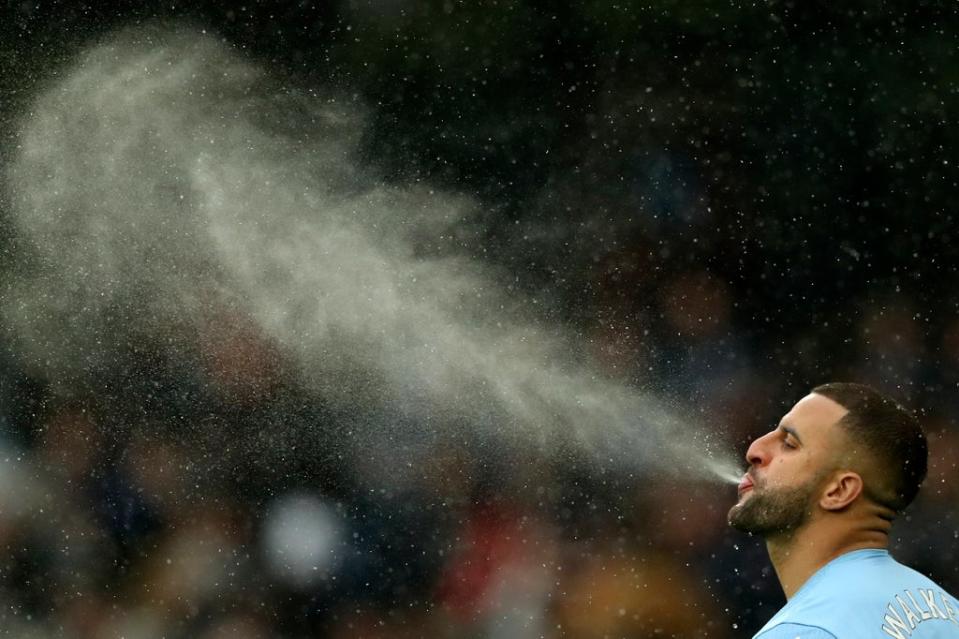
<point x="890" y="433"/>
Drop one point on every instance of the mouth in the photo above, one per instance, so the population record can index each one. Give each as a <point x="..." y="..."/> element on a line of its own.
<point x="745" y="485"/>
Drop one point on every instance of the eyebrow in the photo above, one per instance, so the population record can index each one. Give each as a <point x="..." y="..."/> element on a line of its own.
<point x="791" y="431"/>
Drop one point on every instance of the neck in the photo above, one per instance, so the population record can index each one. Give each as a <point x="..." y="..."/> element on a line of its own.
<point x="797" y="555"/>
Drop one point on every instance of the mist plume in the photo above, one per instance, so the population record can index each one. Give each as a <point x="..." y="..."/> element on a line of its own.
<point x="166" y="174"/>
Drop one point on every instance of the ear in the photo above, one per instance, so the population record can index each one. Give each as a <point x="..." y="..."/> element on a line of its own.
<point x="842" y="490"/>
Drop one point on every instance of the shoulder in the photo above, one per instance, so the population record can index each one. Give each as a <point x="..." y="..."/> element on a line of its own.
<point x="866" y="591"/>
<point x="795" y="631"/>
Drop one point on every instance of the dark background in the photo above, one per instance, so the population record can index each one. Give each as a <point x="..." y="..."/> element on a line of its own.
<point x="808" y="147"/>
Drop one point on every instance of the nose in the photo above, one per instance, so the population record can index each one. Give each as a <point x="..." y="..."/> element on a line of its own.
<point x="758" y="453"/>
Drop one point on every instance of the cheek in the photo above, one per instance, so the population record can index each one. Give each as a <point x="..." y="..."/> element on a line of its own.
<point x="803" y="466"/>
<point x="788" y="470"/>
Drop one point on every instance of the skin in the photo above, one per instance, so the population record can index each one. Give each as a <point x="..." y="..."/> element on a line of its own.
<point x="810" y="462"/>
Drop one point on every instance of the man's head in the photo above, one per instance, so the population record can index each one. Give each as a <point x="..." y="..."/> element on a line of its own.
<point x="841" y="445"/>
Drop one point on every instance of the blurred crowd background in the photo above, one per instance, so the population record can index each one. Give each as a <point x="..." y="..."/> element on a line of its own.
<point x="728" y="204"/>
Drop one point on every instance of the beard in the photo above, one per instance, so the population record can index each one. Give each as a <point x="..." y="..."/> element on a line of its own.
<point x="768" y="512"/>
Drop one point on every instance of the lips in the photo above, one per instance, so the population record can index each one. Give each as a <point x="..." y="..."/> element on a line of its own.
<point x="745" y="484"/>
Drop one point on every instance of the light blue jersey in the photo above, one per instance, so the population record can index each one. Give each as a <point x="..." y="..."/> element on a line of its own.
<point x="866" y="594"/>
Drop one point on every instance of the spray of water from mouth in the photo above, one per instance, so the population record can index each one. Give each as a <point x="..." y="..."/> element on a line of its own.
<point x="724" y="472"/>
<point x="166" y="175"/>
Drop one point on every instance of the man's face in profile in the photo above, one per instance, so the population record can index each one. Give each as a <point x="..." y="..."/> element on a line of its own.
<point x="786" y="469"/>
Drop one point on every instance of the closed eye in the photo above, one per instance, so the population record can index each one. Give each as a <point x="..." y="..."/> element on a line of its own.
<point x="790" y="437"/>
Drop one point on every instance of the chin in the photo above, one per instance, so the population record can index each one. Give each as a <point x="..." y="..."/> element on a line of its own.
<point x="731" y="515"/>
